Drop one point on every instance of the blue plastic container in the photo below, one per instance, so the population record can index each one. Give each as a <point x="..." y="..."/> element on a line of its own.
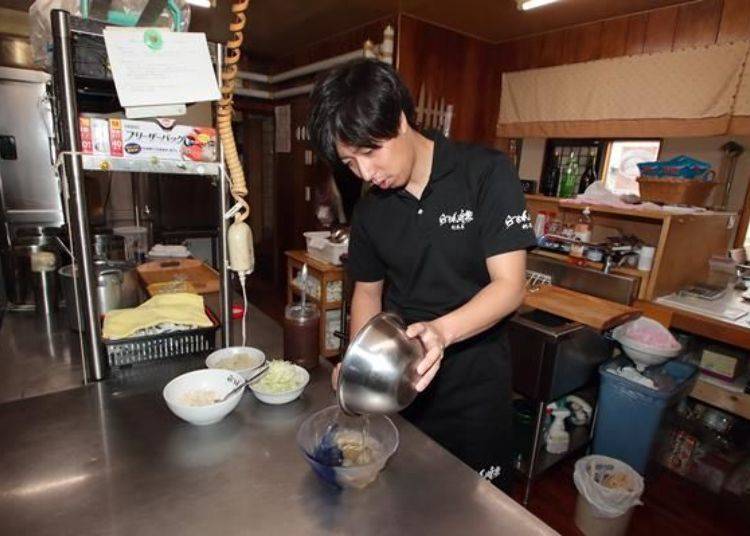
<point x="629" y="414"/>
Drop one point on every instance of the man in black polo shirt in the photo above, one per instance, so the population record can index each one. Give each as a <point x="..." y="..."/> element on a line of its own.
<point x="444" y="230"/>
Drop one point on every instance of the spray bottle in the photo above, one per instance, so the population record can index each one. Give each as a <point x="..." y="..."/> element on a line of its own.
<point x="558" y="439"/>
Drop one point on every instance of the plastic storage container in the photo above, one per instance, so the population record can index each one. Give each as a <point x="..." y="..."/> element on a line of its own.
<point x="136" y="242"/>
<point x="629" y="414"/>
<point x="301" y="332"/>
<point x="322" y="249"/>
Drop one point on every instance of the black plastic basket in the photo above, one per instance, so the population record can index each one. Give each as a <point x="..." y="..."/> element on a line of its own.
<point x="150" y="348"/>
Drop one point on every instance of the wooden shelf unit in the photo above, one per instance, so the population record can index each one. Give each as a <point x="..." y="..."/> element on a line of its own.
<point x="735" y="403"/>
<point x="684" y="242"/>
<point x="325" y="273"/>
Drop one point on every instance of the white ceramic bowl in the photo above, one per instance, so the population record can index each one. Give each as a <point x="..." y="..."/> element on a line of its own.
<point x="217" y="380"/>
<point x="286" y="397"/>
<point x="213" y="361"/>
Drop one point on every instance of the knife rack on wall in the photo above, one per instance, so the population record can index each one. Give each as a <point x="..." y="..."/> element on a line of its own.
<point x="433" y="115"/>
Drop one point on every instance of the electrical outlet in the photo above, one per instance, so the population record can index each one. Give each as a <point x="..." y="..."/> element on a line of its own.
<point x="308" y="194"/>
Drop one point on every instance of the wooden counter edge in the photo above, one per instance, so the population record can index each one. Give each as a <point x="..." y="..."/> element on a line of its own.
<point x="697" y="324"/>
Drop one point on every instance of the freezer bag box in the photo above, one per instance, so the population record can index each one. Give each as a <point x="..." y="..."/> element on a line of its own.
<point x="167" y="141"/>
<point x="94" y="133"/>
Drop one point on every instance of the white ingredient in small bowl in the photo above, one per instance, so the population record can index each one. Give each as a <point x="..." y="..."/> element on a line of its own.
<point x="198" y="397"/>
<point x="237" y="362"/>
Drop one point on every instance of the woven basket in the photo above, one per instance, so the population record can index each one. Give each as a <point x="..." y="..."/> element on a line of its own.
<point x="675" y="191"/>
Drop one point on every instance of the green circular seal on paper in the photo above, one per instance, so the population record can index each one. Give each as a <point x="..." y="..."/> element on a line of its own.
<point x="153" y="39"/>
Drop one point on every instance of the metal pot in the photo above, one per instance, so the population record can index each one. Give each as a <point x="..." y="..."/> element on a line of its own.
<point x="379" y="368"/>
<point x="116" y="288"/>
<point x="109" y="247"/>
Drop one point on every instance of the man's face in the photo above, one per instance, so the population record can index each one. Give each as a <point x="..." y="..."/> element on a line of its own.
<point x="387" y="166"/>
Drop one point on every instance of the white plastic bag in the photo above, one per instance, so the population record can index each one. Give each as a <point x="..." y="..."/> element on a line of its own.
<point x="41" y="31"/>
<point x="647" y="333"/>
<point x="612" y="487"/>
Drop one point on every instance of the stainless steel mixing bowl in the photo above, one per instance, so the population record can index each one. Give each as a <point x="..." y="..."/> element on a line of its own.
<point x="379" y="368"/>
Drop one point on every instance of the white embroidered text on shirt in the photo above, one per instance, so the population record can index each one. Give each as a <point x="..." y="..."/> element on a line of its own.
<point x="458" y="220"/>
<point x="522" y="219"/>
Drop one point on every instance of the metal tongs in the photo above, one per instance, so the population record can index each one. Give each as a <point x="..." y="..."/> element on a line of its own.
<point x="260" y="371"/>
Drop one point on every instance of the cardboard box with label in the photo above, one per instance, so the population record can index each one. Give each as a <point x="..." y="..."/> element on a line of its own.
<point x="149" y="139"/>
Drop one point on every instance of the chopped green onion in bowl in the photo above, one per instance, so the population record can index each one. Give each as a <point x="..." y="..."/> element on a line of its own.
<point x="282" y="377"/>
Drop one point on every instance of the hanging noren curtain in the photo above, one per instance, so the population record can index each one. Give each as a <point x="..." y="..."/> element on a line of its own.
<point x="701" y="91"/>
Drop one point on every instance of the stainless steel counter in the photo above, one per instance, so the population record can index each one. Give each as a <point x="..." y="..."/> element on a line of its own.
<point x="41" y="355"/>
<point x="38" y="355"/>
<point x="110" y="458"/>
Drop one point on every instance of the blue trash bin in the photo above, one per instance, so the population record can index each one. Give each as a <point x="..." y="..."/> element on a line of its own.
<point x="629" y="414"/>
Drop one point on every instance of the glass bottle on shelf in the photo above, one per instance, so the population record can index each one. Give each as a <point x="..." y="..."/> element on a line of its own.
<point x="588" y="177"/>
<point x="569" y="178"/>
<point x="551" y="180"/>
<point x="582" y="234"/>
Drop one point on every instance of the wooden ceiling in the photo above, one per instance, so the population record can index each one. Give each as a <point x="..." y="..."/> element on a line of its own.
<point x="500" y="20"/>
<point x="277" y="28"/>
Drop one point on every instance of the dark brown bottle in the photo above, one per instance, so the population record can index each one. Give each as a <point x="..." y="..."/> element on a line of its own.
<point x="301" y="335"/>
<point x="551" y="181"/>
<point x="589" y="175"/>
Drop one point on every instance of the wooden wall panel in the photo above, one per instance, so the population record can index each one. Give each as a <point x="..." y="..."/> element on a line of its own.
<point x="457" y="68"/>
<point x="735" y="21"/>
<point x="552" y="46"/>
<point x="570" y="45"/>
<point x="698" y="24"/>
<point x="614" y="37"/>
<point x="636" y="34"/>
<point x="528" y="52"/>
<point x="589" y="42"/>
<point x="660" y="30"/>
<point x="336" y="44"/>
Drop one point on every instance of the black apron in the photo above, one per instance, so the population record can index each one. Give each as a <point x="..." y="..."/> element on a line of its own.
<point x="467" y="406"/>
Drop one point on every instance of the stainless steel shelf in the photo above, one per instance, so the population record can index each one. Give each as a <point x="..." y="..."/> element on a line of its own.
<point x="116" y="163"/>
<point x="66" y="95"/>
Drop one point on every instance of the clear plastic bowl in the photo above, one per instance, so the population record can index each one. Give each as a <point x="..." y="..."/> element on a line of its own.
<point x="312" y="430"/>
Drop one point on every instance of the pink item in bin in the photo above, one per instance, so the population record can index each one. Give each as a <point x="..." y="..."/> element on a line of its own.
<point x="651" y="334"/>
<point x="646" y="342"/>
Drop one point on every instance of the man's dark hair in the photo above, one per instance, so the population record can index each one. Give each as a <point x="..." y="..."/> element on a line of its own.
<point x="359" y="104"/>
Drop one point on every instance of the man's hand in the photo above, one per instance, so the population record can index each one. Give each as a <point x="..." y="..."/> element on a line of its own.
<point x="335" y="376"/>
<point x="434" y="345"/>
